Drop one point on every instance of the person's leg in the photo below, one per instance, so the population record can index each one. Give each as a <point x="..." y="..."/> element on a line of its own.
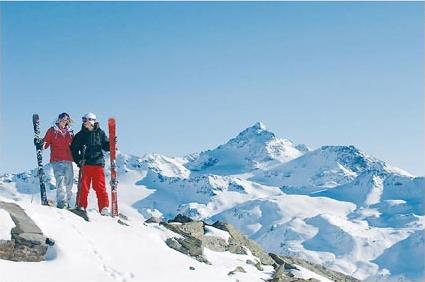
<point x="59" y="173"/>
<point x="86" y="179"/>
<point x="100" y="188"/>
<point x="69" y="180"/>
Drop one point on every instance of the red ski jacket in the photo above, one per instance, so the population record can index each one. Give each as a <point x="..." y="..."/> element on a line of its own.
<point x="59" y="140"/>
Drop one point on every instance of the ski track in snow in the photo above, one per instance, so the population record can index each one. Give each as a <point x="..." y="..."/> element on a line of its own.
<point x="117" y="275"/>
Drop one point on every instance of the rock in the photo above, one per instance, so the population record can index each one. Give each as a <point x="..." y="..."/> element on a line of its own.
<point x="214" y="243"/>
<point x="122" y="222"/>
<point x="240" y="269"/>
<point x="238" y="243"/>
<point x="256" y="264"/>
<point x="282" y="262"/>
<point x="278" y="259"/>
<point x="173" y="228"/>
<point x="237" y="269"/>
<point x="193" y="228"/>
<point x="173" y="244"/>
<point x="191" y="268"/>
<point x="280" y="272"/>
<point x="193" y="241"/>
<point x="29" y="239"/>
<point x="289" y="263"/>
<point x="236" y="248"/>
<point x="290" y="279"/>
<point x="28" y="242"/>
<point x="238" y="240"/>
<point x="188" y="246"/>
<point x="6" y="248"/>
<point x="153" y="219"/>
<point x="181" y="218"/>
<point x="281" y="276"/>
<point x="196" y="229"/>
<point x="192" y="245"/>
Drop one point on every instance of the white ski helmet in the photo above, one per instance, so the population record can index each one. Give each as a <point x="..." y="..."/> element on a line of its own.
<point x="89" y="117"/>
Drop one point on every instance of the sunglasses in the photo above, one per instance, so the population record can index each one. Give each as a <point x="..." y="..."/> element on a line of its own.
<point x="87" y="119"/>
<point x="65" y="119"/>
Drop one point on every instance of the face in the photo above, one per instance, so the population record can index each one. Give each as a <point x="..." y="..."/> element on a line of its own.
<point x="63" y="122"/>
<point x="87" y="123"/>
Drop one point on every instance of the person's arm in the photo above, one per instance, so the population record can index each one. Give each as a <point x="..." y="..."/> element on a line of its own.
<point x="75" y="148"/>
<point x="105" y="142"/>
<point x="44" y="142"/>
<point x="48" y="138"/>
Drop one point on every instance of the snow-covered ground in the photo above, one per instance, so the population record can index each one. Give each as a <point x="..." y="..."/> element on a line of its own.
<point x="103" y="250"/>
<point x="6" y="225"/>
<point x="335" y="206"/>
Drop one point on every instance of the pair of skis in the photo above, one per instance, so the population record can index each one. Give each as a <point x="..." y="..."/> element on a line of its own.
<point x="113" y="154"/>
<point x="37" y="136"/>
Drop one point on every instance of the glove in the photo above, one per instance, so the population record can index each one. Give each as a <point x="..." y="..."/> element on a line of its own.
<point x="38" y="142"/>
<point x="78" y="162"/>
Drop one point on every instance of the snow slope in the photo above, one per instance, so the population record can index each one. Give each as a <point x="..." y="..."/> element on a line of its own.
<point x="103" y="250"/>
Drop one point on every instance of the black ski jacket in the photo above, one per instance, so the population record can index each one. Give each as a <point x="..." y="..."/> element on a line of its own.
<point x="95" y="142"/>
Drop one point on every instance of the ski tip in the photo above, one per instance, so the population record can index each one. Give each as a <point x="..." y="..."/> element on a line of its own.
<point x="111" y="123"/>
<point x="80" y="213"/>
<point x="35" y="117"/>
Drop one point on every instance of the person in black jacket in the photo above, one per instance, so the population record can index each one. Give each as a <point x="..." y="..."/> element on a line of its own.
<point x="92" y="172"/>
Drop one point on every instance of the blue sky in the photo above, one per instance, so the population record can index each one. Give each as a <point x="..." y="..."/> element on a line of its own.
<point x="185" y="77"/>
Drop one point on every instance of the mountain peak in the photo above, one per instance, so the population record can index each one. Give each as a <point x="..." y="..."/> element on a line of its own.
<point x="253" y="148"/>
<point x="256" y="132"/>
<point x="259" y="125"/>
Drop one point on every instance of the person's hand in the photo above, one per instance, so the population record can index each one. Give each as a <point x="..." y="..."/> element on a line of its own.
<point x="80" y="163"/>
<point x="38" y="142"/>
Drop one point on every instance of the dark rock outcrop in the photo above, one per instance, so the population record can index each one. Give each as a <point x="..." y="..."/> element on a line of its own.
<point x="28" y="242"/>
<point x="191" y="230"/>
<point x="188" y="246"/>
<point x="287" y="263"/>
<point x="192" y="240"/>
<point x="238" y="242"/>
<point x="181" y="218"/>
<point x="153" y="219"/>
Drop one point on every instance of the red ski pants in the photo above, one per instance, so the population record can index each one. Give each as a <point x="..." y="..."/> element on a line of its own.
<point x="95" y="175"/>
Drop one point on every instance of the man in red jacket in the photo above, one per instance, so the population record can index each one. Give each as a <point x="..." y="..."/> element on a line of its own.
<point x="59" y="138"/>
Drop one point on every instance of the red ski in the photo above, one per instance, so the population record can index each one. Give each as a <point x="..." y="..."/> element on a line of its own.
<point x="113" y="155"/>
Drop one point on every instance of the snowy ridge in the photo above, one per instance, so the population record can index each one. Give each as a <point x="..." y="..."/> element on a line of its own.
<point x="326" y="167"/>
<point x="166" y="166"/>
